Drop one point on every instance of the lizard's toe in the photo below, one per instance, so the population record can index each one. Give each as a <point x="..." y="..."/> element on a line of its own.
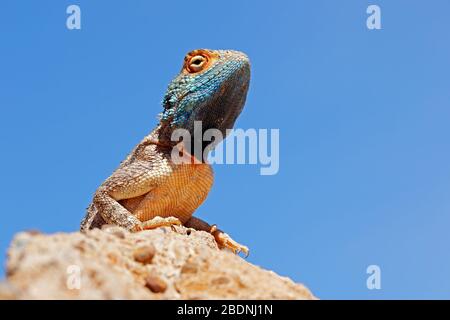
<point x="225" y="241"/>
<point x="158" y="221"/>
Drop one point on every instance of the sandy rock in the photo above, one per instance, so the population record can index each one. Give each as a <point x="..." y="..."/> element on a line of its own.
<point x="154" y="264"/>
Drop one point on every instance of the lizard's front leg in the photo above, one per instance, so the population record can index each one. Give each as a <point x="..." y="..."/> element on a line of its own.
<point x="113" y="212"/>
<point x="222" y="238"/>
<point x="129" y="181"/>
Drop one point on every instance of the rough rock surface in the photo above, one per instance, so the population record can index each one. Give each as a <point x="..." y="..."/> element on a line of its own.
<point x="155" y="264"/>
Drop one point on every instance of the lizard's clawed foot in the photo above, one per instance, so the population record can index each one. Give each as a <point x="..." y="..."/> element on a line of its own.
<point x="225" y="241"/>
<point x="158" y="221"/>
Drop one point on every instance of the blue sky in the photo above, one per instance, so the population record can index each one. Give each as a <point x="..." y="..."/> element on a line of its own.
<point x="363" y="116"/>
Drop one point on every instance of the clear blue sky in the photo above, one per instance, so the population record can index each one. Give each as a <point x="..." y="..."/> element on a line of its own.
<point x="363" y="117"/>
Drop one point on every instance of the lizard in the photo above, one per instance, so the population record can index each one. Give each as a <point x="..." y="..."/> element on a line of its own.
<point x="149" y="190"/>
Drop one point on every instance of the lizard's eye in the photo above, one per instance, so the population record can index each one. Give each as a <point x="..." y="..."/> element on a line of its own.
<point x="196" y="63"/>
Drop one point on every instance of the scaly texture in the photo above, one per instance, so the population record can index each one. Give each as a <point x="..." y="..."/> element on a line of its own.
<point x="149" y="189"/>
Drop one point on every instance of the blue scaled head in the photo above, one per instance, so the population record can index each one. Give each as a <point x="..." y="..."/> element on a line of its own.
<point x="211" y="87"/>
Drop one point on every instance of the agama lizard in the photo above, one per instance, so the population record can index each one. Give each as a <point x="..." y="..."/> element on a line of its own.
<point x="149" y="190"/>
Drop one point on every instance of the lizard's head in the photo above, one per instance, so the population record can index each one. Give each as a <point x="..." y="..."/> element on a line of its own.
<point x="211" y="87"/>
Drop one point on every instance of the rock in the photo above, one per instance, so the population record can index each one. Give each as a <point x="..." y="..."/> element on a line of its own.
<point x="113" y="263"/>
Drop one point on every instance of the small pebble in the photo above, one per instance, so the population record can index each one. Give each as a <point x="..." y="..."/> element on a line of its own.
<point x="144" y="254"/>
<point x="189" y="267"/>
<point x="220" y="281"/>
<point x="155" y="284"/>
